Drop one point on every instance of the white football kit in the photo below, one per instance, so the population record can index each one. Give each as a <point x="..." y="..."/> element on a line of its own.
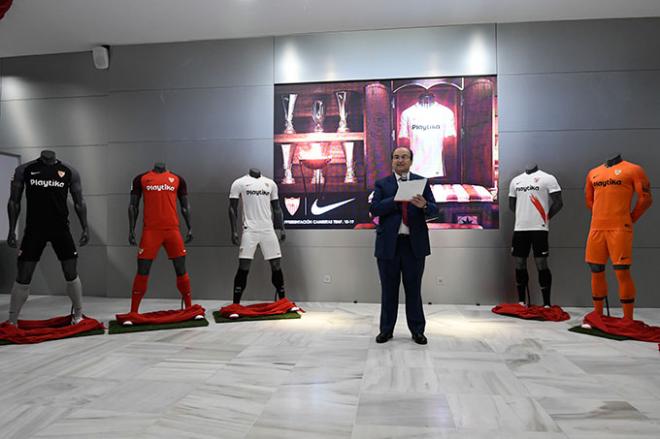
<point x="257" y="194"/>
<point x="532" y="193"/>
<point x="427" y="127"/>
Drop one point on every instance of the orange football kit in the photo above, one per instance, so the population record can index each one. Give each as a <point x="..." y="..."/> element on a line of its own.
<point x="609" y="193"/>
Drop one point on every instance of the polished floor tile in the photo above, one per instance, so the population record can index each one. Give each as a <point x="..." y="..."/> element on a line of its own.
<point x="482" y="376"/>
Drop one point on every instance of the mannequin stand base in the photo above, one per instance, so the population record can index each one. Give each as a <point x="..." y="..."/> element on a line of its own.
<point x="618" y="327"/>
<point x="37" y="331"/>
<point x="597" y="333"/>
<point x="219" y="318"/>
<point x="115" y="327"/>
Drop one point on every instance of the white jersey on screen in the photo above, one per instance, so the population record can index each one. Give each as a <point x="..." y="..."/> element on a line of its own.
<point x="427" y="126"/>
<point x="532" y="193"/>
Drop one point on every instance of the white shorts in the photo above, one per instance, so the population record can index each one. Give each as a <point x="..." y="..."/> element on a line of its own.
<point x="266" y="239"/>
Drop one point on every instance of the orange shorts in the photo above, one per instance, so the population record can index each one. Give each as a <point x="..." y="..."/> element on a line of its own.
<point x="152" y="240"/>
<point x="615" y="244"/>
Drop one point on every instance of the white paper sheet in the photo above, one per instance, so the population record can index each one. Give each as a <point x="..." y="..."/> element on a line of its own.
<point x="408" y="189"/>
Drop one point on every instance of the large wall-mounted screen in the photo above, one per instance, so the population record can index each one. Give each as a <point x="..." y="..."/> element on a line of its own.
<point x="333" y="140"/>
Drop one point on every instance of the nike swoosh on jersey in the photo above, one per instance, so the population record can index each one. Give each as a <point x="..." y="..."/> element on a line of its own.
<point x="320" y="210"/>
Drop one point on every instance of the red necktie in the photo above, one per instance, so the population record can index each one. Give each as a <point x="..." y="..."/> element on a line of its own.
<point x="404" y="212"/>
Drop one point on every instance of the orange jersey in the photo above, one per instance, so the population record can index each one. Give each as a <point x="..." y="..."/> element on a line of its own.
<point x="609" y="193"/>
<point x="160" y="191"/>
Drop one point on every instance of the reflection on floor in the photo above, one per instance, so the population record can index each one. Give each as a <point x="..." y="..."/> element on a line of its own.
<point x="323" y="376"/>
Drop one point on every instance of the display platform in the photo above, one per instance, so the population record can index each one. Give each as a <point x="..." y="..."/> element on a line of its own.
<point x="533" y="312"/>
<point x="151" y="321"/>
<point x="612" y="327"/>
<point x="56" y="328"/>
<point x="266" y="310"/>
<point x="219" y="318"/>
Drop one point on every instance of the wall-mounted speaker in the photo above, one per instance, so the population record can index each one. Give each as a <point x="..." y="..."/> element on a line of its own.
<point x="101" y="57"/>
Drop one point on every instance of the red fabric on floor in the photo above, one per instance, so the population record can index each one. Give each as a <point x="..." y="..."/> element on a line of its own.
<point x="282" y="306"/>
<point x="635" y="329"/>
<point x="4" y="7"/>
<point x="160" y="317"/>
<point x="36" y="331"/>
<point x="533" y="312"/>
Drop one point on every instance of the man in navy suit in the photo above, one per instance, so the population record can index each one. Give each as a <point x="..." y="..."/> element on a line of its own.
<point x="402" y="244"/>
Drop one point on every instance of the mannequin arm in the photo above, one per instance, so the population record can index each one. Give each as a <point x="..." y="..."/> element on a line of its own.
<point x="185" y="212"/>
<point x="79" y="206"/>
<point x="14" y="206"/>
<point x="556" y="203"/>
<point x="133" y="211"/>
<point x="278" y="218"/>
<point x="233" y="219"/>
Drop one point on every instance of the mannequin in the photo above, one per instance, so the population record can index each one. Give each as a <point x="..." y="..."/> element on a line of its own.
<point x="161" y="227"/>
<point x="530" y="193"/>
<point x="609" y="190"/>
<point x="259" y="225"/>
<point x="46" y="182"/>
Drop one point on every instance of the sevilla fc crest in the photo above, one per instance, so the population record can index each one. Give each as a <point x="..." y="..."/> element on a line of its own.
<point x="292" y="204"/>
<point x="617" y="171"/>
<point x="536" y="179"/>
<point x="61" y="173"/>
<point x="171" y="179"/>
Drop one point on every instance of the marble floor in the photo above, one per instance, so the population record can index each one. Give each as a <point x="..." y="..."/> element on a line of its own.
<point x="323" y="376"/>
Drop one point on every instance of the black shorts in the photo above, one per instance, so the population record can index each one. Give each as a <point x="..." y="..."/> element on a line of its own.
<point x="524" y="241"/>
<point x="33" y="244"/>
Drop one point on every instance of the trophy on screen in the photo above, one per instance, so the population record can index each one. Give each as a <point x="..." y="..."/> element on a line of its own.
<point x="318" y="115"/>
<point x="348" y="154"/>
<point x="286" y="164"/>
<point x="289" y="103"/>
<point x="342" y="99"/>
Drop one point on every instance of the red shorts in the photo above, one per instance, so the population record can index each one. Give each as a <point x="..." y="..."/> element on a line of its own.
<point x="613" y="244"/>
<point x="153" y="239"/>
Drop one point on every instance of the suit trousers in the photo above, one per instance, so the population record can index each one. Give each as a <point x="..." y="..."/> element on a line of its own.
<point x="406" y="265"/>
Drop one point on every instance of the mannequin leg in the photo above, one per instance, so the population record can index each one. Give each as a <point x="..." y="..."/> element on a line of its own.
<point x="598" y="286"/>
<point x="277" y="277"/>
<point x="73" y="287"/>
<point x="522" y="278"/>
<point x="627" y="290"/>
<point x="21" y="289"/>
<point x="183" y="280"/>
<point x="140" y="283"/>
<point x="240" y="280"/>
<point x="545" y="278"/>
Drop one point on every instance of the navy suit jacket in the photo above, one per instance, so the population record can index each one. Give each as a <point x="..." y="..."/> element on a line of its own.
<point x="389" y="213"/>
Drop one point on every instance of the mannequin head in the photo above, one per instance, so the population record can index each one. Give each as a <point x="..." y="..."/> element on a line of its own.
<point x="48" y="156"/>
<point x="160" y="167"/>
<point x="254" y="172"/>
<point x="531" y="167"/>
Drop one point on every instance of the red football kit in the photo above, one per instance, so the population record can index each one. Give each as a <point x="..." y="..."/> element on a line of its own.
<point x="161" y="220"/>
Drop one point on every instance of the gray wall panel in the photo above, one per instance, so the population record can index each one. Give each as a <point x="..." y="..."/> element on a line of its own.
<point x="217" y="113"/>
<point x="97" y="219"/>
<point x="89" y="161"/>
<point x="51" y="76"/>
<point x="569" y="155"/>
<point x="610" y="100"/>
<point x="401" y="53"/>
<point x="573" y="46"/>
<point x="50" y="122"/>
<point x="196" y="64"/>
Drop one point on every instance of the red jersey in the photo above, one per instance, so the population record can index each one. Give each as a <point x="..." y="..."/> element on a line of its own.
<point x="609" y="193"/>
<point x="160" y="191"/>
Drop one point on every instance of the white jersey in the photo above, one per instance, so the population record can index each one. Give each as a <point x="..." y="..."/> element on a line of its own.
<point x="427" y="127"/>
<point x="532" y="193"/>
<point x="256" y="193"/>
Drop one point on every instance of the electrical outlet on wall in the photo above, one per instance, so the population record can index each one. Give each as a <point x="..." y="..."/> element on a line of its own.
<point x="327" y="279"/>
<point x="440" y="281"/>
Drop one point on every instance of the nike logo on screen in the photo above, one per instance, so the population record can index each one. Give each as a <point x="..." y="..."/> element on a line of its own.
<point x="320" y="210"/>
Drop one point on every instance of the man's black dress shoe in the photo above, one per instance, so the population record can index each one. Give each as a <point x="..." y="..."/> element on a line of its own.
<point x="382" y="338"/>
<point x="419" y="338"/>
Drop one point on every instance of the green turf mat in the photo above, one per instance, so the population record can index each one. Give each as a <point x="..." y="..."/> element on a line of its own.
<point x="115" y="327"/>
<point x="286" y="316"/>
<point x="82" y="334"/>
<point x="597" y="333"/>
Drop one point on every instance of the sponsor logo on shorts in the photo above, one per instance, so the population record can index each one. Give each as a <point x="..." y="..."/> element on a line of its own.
<point x="160" y="187"/>
<point x="528" y="188"/>
<point x="46" y="183"/>
<point x="608" y="182"/>
<point x="61" y="173"/>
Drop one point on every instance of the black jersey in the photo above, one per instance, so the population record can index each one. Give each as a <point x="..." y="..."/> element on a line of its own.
<point x="46" y="189"/>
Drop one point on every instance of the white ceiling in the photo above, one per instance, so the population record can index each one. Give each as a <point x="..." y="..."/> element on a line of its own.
<point x="48" y="26"/>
